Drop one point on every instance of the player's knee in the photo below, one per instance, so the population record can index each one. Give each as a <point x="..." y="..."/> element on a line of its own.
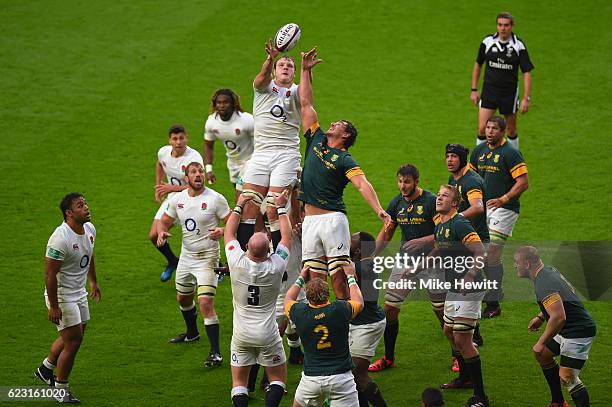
<point x="335" y="264"/>
<point x="361" y="379"/>
<point x="569" y="377"/>
<point x="184" y="300"/>
<point x="391" y="313"/>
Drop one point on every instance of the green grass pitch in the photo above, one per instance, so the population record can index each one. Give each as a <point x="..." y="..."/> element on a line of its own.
<point x="90" y="88"/>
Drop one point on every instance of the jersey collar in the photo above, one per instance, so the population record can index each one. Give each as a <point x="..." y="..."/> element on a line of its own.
<point x="318" y="306"/>
<point x="420" y="192"/>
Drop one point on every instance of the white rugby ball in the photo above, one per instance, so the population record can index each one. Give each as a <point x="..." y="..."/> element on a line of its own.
<point x="287" y="36"/>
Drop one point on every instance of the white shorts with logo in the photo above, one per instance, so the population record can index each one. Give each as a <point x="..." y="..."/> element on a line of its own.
<point x="73" y="312"/>
<point x="467" y="305"/>
<point x="245" y="355"/>
<point x="162" y="209"/>
<point x="236" y="171"/>
<point x="363" y="339"/>
<point x="325" y="235"/>
<point x="339" y="388"/>
<point x="192" y="272"/>
<point x="395" y="297"/>
<point x="276" y="168"/>
<point x="501" y="220"/>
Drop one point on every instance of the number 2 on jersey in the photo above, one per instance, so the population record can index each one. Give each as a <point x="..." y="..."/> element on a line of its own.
<point x="322" y="343"/>
<point x="254" y="298"/>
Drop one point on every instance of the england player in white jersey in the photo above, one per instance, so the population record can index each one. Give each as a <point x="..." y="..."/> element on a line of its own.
<point x="256" y="279"/>
<point x="69" y="262"/>
<point x="233" y="126"/>
<point x="276" y="158"/>
<point x="198" y="210"/>
<point x="171" y="163"/>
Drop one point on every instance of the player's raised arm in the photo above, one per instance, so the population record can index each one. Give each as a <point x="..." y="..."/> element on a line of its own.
<point x="264" y="77"/>
<point x="369" y="195"/>
<point x="280" y="200"/>
<point x="309" y="115"/>
<point x="384" y="237"/>
<point x="231" y="225"/>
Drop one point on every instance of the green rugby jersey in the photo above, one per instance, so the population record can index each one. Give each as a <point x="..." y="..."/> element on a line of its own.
<point x="326" y="172"/>
<point x="324" y="334"/>
<point x="416" y="218"/>
<point x="471" y="186"/>
<point x="550" y="287"/>
<point x="372" y="312"/>
<point x="450" y="238"/>
<point x="499" y="167"/>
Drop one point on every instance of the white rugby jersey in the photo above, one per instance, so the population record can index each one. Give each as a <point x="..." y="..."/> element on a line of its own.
<point x="75" y="251"/>
<point x="255" y="287"/>
<point x="236" y="135"/>
<point x="174" y="167"/>
<point x="198" y="214"/>
<point x="277" y="115"/>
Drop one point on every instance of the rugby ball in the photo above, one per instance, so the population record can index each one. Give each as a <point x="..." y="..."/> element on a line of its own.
<point x="287" y="36"/>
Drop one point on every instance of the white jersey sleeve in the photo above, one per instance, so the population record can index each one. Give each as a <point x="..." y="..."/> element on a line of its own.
<point x="233" y="253"/>
<point x="277" y="115"/>
<point x="209" y="135"/>
<point x="222" y="207"/>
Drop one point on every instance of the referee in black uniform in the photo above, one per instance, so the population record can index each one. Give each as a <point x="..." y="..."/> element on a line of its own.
<point x="502" y="53"/>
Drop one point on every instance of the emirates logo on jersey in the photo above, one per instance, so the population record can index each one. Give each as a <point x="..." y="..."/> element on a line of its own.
<point x="237" y="132"/>
<point x="204" y="206"/>
<point x="75" y="246"/>
<point x="180" y="206"/>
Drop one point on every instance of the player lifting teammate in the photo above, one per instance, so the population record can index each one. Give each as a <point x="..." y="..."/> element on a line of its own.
<point x="233" y="126"/>
<point x="328" y="167"/>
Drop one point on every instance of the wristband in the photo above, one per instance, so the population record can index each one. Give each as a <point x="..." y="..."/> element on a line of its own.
<point x="540" y="318"/>
<point x="300" y="282"/>
<point x="282" y="210"/>
<point x="208" y="168"/>
<point x="238" y="209"/>
<point x="351" y="280"/>
<point x="474" y="89"/>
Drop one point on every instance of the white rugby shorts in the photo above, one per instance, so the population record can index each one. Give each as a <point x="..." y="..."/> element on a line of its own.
<point x="325" y="235"/>
<point x="363" y="339"/>
<point x="272" y="168"/>
<point x="73" y="312"/>
<point x="192" y="272"/>
<point x="467" y="305"/>
<point x="340" y="389"/>
<point x="245" y="355"/>
<point x="501" y="220"/>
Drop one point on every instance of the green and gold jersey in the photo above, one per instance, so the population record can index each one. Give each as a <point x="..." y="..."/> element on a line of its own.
<point x="415" y="219"/>
<point x="499" y="167"/>
<point x="471" y="186"/>
<point x="550" y="287"/>
<point x="451" y="238"/>
<point x="372" y="312"/>
<point x="324" y="334"/>
<point x="326" y="172"/>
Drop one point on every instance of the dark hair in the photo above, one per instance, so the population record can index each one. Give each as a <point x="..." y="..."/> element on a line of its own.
<point x="460" y="151"/>
<point x="432" y="397"/>
<point x="500" y="122"/>
<point x="190" y="165"/>
<point x="176" y="129"/>
<point x="230" y="94"/>
<point x="407" y="170"/>
<point x="367" y="242"/>
<point x="505" y="14"/>
<point x="67" y="201"/>
<point x="352" y="131"/>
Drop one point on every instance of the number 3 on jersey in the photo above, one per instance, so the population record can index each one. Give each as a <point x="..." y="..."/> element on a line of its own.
<point x="254" y="298"/>
<point x="322" y="343"/>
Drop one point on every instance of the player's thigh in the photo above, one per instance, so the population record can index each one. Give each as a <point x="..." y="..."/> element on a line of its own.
<point x="206" y="279"/>
<point x="241" y="354"/>
<point x="285" y="169"/>
<point x="71" y="313"/>
<point x="240" y="375"/>
<point x="501" y="222"/>
<point x="309" y="392"/>
<point x="574" y="351"/>
<point x="343" y="392"/>
<point x="257" y="170"/>
<point x="508" y="103"/>
<point x="511" y="123"/>
<point x="397" y="289"/>
<point x="184" y="281"/>
<point x="312" y="245"/>
<point x="335" y="235"/>
<point x="364" y="339"/>
<point x="467" y="305"/>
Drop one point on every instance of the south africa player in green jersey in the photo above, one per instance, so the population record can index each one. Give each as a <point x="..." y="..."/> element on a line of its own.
<point x="504" y="171"/>
<point x="569" y="331"/>
<point x="324" y="330"/>
<point x="328" y="168"/>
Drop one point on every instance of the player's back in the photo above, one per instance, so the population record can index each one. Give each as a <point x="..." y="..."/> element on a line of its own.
<point x="255" y="287"/>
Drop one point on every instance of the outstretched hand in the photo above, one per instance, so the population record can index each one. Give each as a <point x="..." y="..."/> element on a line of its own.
<point x="309" y="59"/>
<point x="271" y="50"/>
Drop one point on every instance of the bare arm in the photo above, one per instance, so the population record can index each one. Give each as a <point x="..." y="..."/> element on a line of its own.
<point x="526" y="92"/>
<point x="93" y="281"/>
<point x="309" y="115"/>
<point x="384" y="237"/>
<point x="555" y="323"/>
<point x="369" y="195"/>
<point x="159" y="176"/>
<point x="475" y="75"/>
<point x="52" y="267"/>
<point x="231" y="224"/>
<point x="164" y="224"/>
<point x="475" y="209"/>
<point x="520" y="186"/>
<point x="209" y="155"/>
<point x="264" y="77"/>
<point x="295" y="289"/>
<point x="283" y="217"/>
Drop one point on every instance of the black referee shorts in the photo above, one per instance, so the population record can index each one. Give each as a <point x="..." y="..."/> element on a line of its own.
<point x="506" y="101"/>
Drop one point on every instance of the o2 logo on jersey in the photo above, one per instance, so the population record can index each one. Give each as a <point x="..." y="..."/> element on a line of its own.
<point x="278" y="112"/>
<point x="190" y="225"/>
<point x="230" y="145"/>
<point x="84" y="261"/>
